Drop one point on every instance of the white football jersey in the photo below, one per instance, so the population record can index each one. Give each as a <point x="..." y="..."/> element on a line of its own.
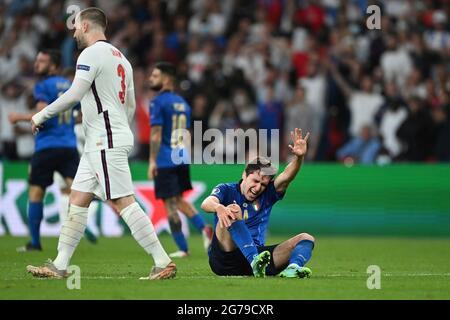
<point x="105" y="120"/>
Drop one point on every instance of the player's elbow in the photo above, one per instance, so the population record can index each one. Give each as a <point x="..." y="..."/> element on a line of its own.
<point x="155" y="135"/>
<point x="208" y="205"/>
<point x="204" y="205"/>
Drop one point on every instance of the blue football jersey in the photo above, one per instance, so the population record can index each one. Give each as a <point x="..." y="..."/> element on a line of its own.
<point x="255" y="214"/>
<point x="57" y="132"/>
<point x="172" y="112"/>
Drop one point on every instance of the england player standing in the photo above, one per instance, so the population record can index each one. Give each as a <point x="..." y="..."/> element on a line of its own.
<point x="55" y="145"/>
<point x="242" y="212"/>
<point x="104" y="84"/>
<point x="168" y="113"/>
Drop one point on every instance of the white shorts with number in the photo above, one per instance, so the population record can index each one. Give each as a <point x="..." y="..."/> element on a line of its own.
<point x="105" y="173"/>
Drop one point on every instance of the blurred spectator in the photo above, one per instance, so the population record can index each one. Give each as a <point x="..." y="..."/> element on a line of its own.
<point x="361" y="149"/>
<point x="299" y="114"/>
<point x="415" y="132"/>
<point x="442" y="132"/>
<point x="240" y="62"/>
<point x="246" y="110"/>
<point x="315" y="88"/>
<point x="395" y="62"/>
<point x="12" y="99"/>
<point x="392" y="114"/>
<point x="363" y="103"/>
<point x="270" y="111"/>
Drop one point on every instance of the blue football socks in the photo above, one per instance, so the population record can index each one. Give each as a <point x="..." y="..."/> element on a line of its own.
<point x="243" y="239"/>
<point x="198" y="221"/>
<point x="302" y="253"/>
<point x="35" y="215"/>
<point x="180" y="240"/>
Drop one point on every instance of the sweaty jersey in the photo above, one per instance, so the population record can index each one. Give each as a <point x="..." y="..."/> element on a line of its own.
<point x="172" y="112"/>
<point x="255" y="214"/>
<point x="57" y="132"/>
<point x="105" y="121"/>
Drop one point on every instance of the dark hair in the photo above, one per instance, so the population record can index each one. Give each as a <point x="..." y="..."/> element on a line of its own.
<point x="55" y="56"/>
<point x="95" y="15"/>
<point x="167" y="68"/>
<point x="262" y="164"/>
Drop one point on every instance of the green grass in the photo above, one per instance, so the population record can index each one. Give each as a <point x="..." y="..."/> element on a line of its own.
<point x="412" y="268"/>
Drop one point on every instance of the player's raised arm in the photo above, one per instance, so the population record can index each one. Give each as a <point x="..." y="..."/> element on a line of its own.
<point x="298" y="148"/>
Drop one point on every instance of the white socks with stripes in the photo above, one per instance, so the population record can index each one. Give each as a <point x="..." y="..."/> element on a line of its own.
<point x="72" y="231"/>
<point x="144" y="233"/>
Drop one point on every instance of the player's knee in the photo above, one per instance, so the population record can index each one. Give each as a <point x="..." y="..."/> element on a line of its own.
<point x="306" y="236"/>
<point x="179" y="200"/>
<point x="80" y="199"/>
<point x="238" y="216"/>
<point x="36" y="194"/>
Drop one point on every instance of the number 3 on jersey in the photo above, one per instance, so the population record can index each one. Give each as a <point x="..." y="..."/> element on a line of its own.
<point x="121" y="74"/>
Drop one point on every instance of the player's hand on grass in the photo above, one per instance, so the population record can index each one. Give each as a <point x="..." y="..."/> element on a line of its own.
<point x="299" y="146"/>
<point x="35" y="128"/>
<point x="225" y="215"/>
<point x="152" y="170"/>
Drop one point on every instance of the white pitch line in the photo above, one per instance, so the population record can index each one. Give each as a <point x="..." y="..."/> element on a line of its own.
<point x="385" y="275"/>
<point x="317" y="276"/>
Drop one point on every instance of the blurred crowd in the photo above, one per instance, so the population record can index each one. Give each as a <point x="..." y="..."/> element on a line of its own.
<point x="366" y="96"/>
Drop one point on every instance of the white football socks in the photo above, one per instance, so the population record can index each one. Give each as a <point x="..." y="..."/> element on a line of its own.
<point x="63" y="207"/>
<point x="71" y="233"/>
<point x="143" y="232"/>
<point x="92" y="218"/>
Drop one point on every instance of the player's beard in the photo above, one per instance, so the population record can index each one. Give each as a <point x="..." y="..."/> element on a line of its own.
<point x="42" y="73"/>
<point x="156" y="87"/>
<point x="80" y="43"/>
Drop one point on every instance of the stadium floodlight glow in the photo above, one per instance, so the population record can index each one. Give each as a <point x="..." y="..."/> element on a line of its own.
<point x="224" y="147"/>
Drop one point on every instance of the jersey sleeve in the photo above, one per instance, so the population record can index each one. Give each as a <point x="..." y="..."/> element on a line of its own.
<point x="272" y="194"/>
<point x="220" y="192"/>
<point x="156" y="117"/>
<point x="88" y="65"/>
<point x="40" y="93"/>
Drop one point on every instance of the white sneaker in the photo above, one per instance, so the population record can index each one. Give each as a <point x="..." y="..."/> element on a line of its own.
<point x="179" y="254"/>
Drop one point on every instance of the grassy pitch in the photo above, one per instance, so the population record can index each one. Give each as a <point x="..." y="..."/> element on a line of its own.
<point x="411" y="268"/>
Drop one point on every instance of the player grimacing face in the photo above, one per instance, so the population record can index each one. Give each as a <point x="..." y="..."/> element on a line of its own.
<point x="254" y="184"/>
<point x="42" y="64"/>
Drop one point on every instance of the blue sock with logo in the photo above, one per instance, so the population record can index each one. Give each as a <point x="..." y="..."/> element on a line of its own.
<point x="180" y="240"/>
<point x="302" y="252"/>
<point x="35" y="215"/>
<point x="198" y="222"/>
<point x="243" y="239"/>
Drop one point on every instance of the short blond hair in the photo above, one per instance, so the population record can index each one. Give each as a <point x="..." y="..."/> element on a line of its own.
<point x="96" y="16"/>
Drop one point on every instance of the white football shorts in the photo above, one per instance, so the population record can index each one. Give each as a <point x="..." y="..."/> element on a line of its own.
<point x="105" y="173"/>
